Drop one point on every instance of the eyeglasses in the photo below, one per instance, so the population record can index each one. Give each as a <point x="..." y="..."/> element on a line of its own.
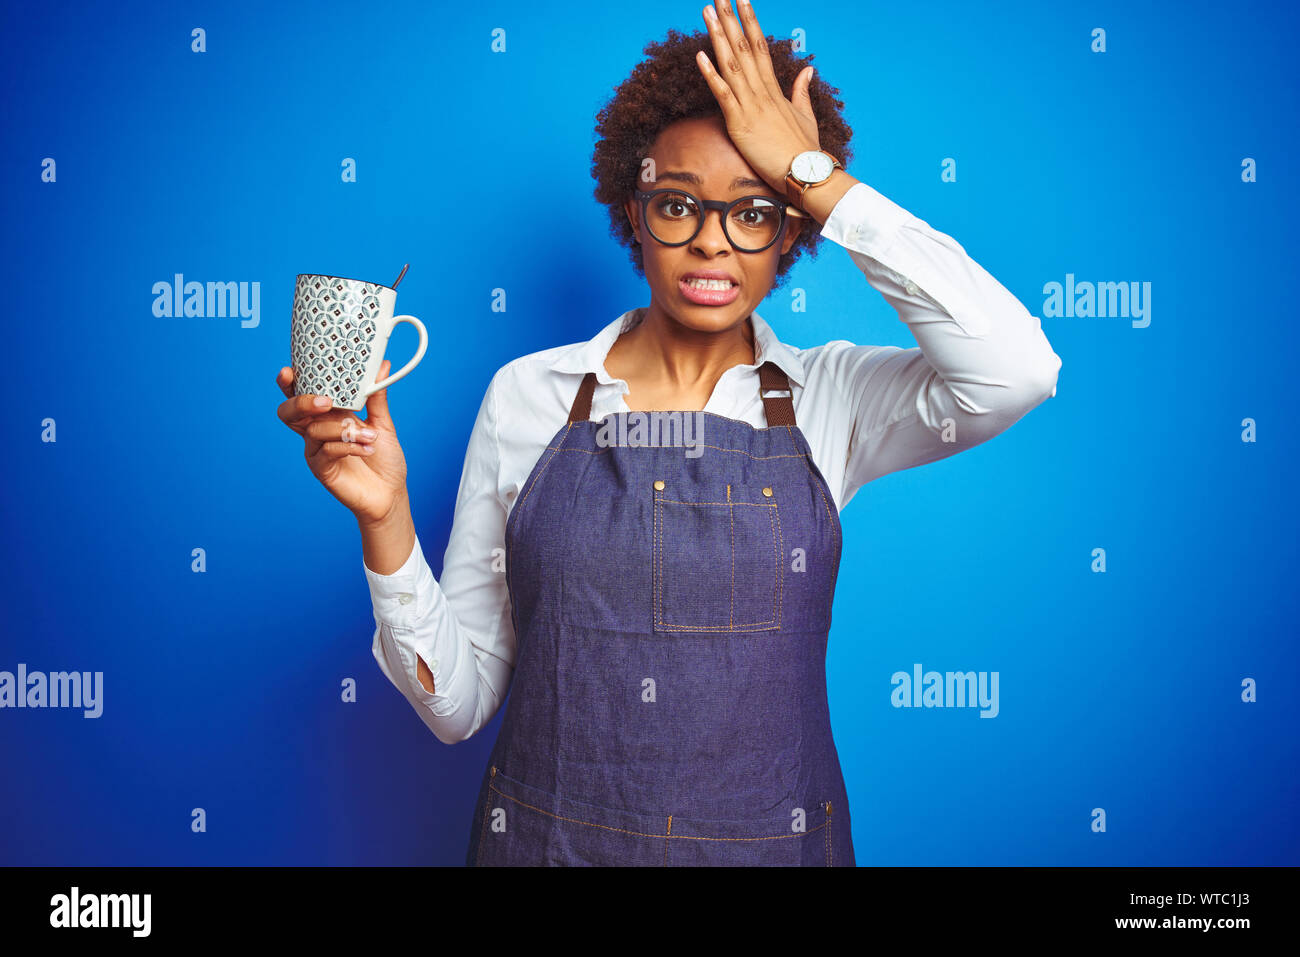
<point x="752" y="223"/>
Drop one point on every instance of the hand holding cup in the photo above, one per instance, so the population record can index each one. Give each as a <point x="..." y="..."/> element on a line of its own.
<point x="359" y="462"/>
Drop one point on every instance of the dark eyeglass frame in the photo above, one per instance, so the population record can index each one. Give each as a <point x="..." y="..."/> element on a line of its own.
<point x="787" y="211"/>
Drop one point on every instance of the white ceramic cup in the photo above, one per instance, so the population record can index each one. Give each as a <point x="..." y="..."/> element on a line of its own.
<point x="339" y="332"/>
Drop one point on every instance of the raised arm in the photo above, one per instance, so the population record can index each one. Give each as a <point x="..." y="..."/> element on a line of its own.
<point x="982" y="360"/>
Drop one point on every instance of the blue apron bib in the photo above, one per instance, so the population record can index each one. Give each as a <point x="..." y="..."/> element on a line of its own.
<point x="671" y="612"/>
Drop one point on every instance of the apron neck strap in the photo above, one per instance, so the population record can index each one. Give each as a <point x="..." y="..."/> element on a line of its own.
<point x="581" y="409"/>
<point x="778" y="408"/>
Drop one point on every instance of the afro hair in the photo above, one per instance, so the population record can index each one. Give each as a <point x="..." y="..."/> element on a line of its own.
<point x="666" y="87"/>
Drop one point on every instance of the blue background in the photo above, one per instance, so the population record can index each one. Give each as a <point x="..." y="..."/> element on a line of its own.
<point x="222" y="690"/>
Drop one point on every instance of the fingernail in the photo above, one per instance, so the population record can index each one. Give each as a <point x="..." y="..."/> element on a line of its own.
<point x="321" y="401"/>
<point x="367" y="449"/>
<point x="368" y="435"/>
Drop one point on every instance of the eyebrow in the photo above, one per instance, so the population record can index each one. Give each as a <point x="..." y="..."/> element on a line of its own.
<point x="738" y="183"/>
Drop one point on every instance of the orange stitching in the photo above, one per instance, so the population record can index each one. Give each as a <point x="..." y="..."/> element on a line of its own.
<point x="719" y="448"/>
<point x="655" y="562"/>
<point x="780" y="560"/>
<point x="482" y="834"/>
<point x="512" y="521"/>
<point x="668" y="833"/>
<point x="774" y="520"/>
<point x="741" y="626"/>
<point x="731" y="606"/>
<point x="666" y="837"/>
<point x="769" y="624"/>
<point x="830" y="845"/>
<point x="817" y="482"/>
<point x="572" y="820"/>
<point x="673" y="501"/>
<point x="553" y="450"/>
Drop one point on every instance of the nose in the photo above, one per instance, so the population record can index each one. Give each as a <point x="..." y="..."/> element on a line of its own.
<point x="712" y="238"/>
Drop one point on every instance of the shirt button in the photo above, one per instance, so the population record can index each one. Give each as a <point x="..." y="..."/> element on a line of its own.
<point x="404" y="598"/>
<point x="433" y="664"/>
<point x="767" y="492"/>
<point x="659" y="484"/>
<point x="910" y="287"/>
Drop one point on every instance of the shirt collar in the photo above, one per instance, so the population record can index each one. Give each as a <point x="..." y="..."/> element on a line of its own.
<point x="589" y="356"/>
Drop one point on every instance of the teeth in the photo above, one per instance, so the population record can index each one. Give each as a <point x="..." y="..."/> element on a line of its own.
<point x="709" y="283"/>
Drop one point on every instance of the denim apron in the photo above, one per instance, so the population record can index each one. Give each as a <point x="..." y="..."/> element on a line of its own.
<point x="671" y="611"/>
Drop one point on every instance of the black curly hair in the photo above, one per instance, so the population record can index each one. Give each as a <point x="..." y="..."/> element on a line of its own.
<point x="666" y="87"/>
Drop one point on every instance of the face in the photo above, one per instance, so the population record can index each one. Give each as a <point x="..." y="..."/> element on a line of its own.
<point x="697" y="155"/>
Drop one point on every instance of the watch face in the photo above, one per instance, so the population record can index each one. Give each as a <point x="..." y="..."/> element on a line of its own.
<point x="812" y="167"/>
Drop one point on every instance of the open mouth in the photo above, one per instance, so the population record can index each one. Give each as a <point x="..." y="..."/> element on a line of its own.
<point x="709" y="283"/>
<point x="709" y="291"/>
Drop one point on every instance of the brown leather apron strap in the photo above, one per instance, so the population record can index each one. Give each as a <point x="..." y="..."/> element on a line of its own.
<point x="581" y="409"/>
<point x="779" y="408"/>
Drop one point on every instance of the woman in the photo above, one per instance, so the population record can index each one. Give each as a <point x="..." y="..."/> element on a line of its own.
<point x="662" y="615"/>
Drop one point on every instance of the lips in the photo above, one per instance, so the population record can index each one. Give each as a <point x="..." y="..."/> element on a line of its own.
<point x="712" y="274"/>
<point x="712" y="288"/>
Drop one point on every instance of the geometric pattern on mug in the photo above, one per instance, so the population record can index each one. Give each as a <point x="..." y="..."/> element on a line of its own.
<point x="334" y="324"/>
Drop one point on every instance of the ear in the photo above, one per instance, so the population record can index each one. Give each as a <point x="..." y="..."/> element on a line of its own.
<point x="793" y="227"/>
<point x="632" y="209"/>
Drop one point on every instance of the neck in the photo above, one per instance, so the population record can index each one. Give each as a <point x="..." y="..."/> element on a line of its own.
<point x="681" y="358"/>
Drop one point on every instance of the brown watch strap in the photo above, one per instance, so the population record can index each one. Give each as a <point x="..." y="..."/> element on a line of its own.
<point x="795" y="187"/>
<point x="794" y="191"/>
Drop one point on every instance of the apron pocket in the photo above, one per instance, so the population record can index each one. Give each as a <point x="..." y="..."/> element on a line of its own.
<point x="717" y="558"/>
<point x="524" y="826"/>
<point x="773" y="842"/>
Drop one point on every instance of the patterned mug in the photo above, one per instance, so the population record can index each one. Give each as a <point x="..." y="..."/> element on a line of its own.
<point x="339" y="332"/>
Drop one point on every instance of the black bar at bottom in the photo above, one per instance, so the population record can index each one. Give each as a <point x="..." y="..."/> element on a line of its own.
<point x="334" y="905"/>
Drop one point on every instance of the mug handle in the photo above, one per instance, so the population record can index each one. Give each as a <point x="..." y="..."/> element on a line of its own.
<point x="415" y="360"/>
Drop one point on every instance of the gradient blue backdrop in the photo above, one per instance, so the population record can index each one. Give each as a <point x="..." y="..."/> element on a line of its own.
<point x="1118" y="690"/>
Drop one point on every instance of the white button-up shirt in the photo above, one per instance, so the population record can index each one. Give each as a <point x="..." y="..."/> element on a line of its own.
<point x="982" y="363"/>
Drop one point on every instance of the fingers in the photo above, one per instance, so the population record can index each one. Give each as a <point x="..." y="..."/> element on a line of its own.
<point x="721" y="92"/>
<point x="732" y="50"/>
<point x="377" y="403"/>
<point x="799" y="95"/>
<point x="300" y="409"/>
<point x="762" y="58"/>
<point x="305" y="414"/>
<point x="338" y="450"/>
<point x="338" y="437"/>
<point x="346" y="430"/>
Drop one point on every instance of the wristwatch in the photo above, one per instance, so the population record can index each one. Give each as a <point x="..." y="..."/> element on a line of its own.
<point x="808" y="169"/>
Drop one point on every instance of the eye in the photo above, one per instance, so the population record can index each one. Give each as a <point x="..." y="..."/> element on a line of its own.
<point x="675" y="207"/>
<point x="755" y="212"/>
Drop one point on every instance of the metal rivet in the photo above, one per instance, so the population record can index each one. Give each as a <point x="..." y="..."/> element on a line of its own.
<point x="659" y="484"/>
<point x="767" y="492"/>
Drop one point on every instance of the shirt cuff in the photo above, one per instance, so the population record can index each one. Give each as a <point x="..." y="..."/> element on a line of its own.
<point x="405" y="595"/>
<point x="401" y="600"/>
<point x="865" y="220"/>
